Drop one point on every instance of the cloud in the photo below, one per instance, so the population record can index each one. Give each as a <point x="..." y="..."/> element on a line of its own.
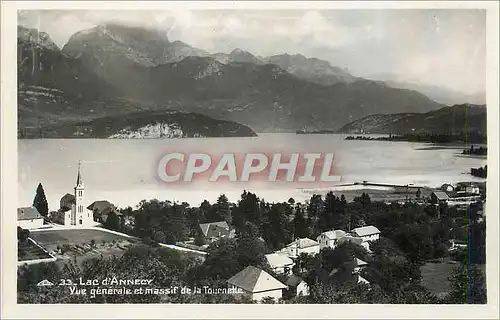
<point x="441" y="47"/>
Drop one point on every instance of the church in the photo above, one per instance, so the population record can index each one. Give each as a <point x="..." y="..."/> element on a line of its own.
<point x="73" y="211"/>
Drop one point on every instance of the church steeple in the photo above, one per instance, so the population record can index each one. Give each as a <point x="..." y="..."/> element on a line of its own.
<point x="79" y="179"/>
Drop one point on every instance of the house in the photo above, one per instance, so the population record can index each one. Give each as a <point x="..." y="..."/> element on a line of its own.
<point x="469" y="188"/>
<point x="280" y="263"/>
<point x="439" y="197"/>
<point x="257" y="284"/>
<point x="29" y="218"/>
<point x="298" y="286"/>
<point x="329" y="239"/>
<point x="304" y="245"/>
<point x="367" y="233"/>
<point x="447" y="188"/>
<point x="101" y="209"/>
<point x="216" y="230"/>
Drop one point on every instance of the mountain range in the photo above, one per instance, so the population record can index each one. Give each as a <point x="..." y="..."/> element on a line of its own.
<point x="116" y="70"/>
<point x="464" y="118"/>
<point x="437" y="93"/>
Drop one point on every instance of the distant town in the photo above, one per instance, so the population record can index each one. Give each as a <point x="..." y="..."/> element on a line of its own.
<point x="410" y="245"/>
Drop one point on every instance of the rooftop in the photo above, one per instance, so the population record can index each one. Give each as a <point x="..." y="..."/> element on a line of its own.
<point x="334" y="234"/>
<point x="101" y="206"/>
<point x="28" y="213"/>
<point x="277" y="260"/>
<point x="366" y="231"/>
<point x="303" y="243"/>
<point x="206" y="226"/>
<point x="360" y="262"/>
<point x="294" y="281"/>
<point x="253" y="279"/>
<point x="441" y="195"/>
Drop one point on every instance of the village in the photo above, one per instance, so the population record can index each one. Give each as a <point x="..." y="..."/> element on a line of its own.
<point x="79" y="230"/>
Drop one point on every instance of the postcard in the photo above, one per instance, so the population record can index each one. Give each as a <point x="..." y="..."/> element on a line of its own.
<point x="249" y="159"/>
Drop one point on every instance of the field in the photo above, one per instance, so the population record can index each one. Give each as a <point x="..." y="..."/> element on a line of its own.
<point x="50" y="239"/>
<point x="435" y="276"/>
<point x="81" y="244"/>
<point x="30" y="251"/>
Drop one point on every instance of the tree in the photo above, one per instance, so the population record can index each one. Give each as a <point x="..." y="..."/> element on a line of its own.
<point x="248" y="209"/>
<point x="40" y="201"/>
<point x="415" y="240"/>
<point x="199" y="240"/>
<point x="268" y="300"/>
<point x="300" y="226"/>
<point x="276" y="229"/>
<point x="222" y="211"/>
<point x="22" y="234"/>
<point x="221" y="262"/>
<point x="315" y="207"/>
<point x="250" y="249"/>
<point x="112" y="221"/>
<point x="468" y="285"/>
<point x="389" y="268"/>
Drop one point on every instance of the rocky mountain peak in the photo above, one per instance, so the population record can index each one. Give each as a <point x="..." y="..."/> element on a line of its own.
<point x="34" y="36"/>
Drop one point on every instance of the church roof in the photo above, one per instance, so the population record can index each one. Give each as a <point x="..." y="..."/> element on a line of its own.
<point x="68" y="198"/>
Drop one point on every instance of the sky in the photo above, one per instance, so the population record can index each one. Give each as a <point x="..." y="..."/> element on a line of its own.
<point x="445" y="47"/>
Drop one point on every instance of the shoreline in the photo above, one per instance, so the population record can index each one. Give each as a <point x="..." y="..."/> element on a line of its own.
<point x="377" y="191"/>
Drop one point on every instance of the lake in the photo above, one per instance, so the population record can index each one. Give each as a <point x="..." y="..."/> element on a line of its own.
<point x="125" y="171"/>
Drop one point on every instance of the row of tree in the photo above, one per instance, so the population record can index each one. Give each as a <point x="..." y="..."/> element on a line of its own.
<point x="480" y="172"/>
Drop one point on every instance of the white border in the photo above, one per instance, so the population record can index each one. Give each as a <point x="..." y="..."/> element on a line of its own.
<point x="8" y="200"/>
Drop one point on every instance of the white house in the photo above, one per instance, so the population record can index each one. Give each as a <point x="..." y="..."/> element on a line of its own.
<point x="447" y="187"/>
<point x="329" y="239"/>
<point x="280" y="262"/>
<point x="257" y="284"/>
<point x="367" y="233"/>
<point x="299" y="286"/>
<point x="29" y="218"/>
<point x="304" y="245"/>
<point x="469" y="188"/>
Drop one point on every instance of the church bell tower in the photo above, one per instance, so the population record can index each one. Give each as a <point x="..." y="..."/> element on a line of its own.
<point x="81" y="214"/>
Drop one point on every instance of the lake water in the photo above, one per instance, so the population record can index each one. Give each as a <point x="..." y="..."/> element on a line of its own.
<point x="124" y="171"/>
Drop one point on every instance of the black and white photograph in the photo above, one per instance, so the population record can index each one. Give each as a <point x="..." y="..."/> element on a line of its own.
<point x="253" y="156"/>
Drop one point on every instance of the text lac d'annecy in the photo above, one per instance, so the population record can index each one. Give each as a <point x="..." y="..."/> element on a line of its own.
<point x="233" y="167"/>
